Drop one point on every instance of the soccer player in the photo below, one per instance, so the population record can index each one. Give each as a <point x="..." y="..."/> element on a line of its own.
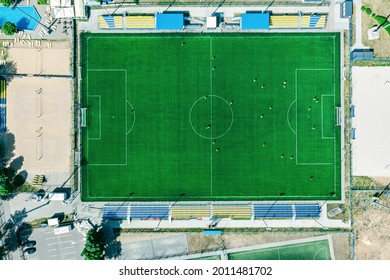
<point x="217" y="149"/>
<point x="208" y="126"/>
<point x="262" y="116"/>
<point x="282" y="155"/>
<point x="255" y="79"/>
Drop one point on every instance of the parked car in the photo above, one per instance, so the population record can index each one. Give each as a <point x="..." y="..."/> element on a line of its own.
<point x="29" y="244"/>
<point x="30" y="251"/>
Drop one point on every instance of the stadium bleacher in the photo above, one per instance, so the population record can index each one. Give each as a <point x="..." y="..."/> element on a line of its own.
<point x="237" y="211"/>
<point x="115" y="212"/>
<point x="273" y="210"/>
<point x="298" y="21"/>
<point x="118" y="212"/>
<point x="3" y="111"/>
<point x="307" y="211"/>
<point x="140" y="22"/>
<point x="284" y="21"/>
<point x="149" y="211"/>
<point x="110" y="22"/>
<point x="191" y="211"/>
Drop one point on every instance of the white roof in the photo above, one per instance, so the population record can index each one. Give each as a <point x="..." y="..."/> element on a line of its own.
<point x="60" y="3"/>
<point x="53" y="222"/>
<point x="64" y="12"/>
<point x="79" y="9"/>
<point x="211" y="22"/>
<point x="371" y="98"/>
<point x="66" y="3"/>
<point x="55" y="3"/>
<point x="57" y="196"/>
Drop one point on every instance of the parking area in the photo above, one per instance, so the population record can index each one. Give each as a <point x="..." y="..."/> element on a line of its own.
<point x="50" y="246"/>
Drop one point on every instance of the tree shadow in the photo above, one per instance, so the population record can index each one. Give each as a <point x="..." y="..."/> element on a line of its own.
<point x="23" y="233"/>
<point x="16" y="231"/>
<point x="20" y="179"/>
<point x="7" y="147"/>
<point x="16" y="163"/>
<point x="113" y="247"/>
<point x="7" y="70"/>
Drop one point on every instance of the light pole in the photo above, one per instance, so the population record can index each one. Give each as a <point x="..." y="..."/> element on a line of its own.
<point x="280" y="195"/>
<point x="169" y="209"/>
<point x="331" y="194"/>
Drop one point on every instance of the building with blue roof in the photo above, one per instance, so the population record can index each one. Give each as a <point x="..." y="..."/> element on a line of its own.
<point x="255" y="21"/>
<point x="170" y="21"/>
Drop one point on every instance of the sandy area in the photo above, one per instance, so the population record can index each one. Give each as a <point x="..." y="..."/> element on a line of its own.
<point x="380" y="46"/>
<point x="42" y="60"/>
<point x="371" y="155"/>
<point x="372" y="228"/>
<point x="39" y="114"/>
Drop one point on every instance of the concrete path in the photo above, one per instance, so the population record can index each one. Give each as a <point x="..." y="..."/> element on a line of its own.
<point x="358" y="25"/>
<point x="23" y="205"/>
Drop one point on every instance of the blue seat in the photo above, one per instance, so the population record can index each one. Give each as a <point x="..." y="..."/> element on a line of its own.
<point x="116" y="212"/>
<point x="151" y="211"/>
<point x="307" y="211"/>
<point x="273" y="211"/>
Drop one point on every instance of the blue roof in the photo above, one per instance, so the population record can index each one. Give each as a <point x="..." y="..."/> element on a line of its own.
<point x="255" y="21"/>
<point x="169" y="21"/>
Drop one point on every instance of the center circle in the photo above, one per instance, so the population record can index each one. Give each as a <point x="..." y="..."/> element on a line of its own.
<point x="211" y="116"/>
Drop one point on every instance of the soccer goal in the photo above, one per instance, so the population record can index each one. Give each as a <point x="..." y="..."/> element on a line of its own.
<point x="338" y="115"/>
<point x="83" y="117"/>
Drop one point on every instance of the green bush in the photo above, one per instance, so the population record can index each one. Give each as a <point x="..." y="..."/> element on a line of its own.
<point x="7" y="3"/>
<point x="368" y="11"/>
<point x="363" y="8"/>
<point x="42" y="2"/>
<point x="9" y="28"/>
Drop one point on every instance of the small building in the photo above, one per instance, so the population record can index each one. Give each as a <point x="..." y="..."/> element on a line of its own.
<point x="346" y="9"/>
<point x="255" y="21"/>
<point x="359" y="54"/>
<point x="170" y="21"/>
<point x="211" y="22"/>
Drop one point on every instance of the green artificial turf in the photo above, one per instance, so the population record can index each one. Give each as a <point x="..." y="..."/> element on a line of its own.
<point x="316" y="250"/>
<point x="151" y="99"/>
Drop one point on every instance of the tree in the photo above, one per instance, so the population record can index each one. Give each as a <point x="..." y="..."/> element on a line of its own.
<point x="9" y="28"/>
<point x="2" y="252"/>
<point x="94" y="245"/>
<point x="4" y="186"/>
<point x="7" y="3"/>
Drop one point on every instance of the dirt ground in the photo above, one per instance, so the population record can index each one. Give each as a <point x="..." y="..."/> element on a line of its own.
<point x="197" y="242"/>
<point x="372" y="228"/>
<point x="40" y="59"/>
<point x="39" y="115"/>
<point x="380" y="46"/>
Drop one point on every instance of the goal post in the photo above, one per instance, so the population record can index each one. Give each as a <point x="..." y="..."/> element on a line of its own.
<point x="338" y="116"/>
<point x="83" y="117"/>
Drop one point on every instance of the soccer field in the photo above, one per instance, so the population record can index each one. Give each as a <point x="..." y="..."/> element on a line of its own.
<point x="315" y="250"/>
<point x="208" y="117"/>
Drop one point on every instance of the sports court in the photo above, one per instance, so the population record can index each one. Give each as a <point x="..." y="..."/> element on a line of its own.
<point x="314" y="250"/>
<point x="211" y="117"/>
